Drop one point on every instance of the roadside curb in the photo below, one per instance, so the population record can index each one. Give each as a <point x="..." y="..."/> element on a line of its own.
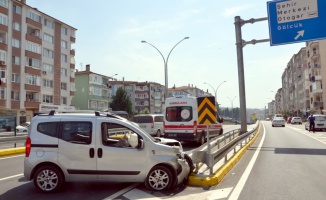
<point x="224" y="169"/>
<point x="12" y="151"/>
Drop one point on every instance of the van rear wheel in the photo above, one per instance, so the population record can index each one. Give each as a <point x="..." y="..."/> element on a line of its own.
<point x="48" y="179"/>
<point x="201" y="140"/>
<point x="158" y="133"/>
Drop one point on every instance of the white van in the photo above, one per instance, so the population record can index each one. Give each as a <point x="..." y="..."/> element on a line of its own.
<point x="151" y="123"/>
<point x="93" y="147"/>
<point x="181" y="120"/>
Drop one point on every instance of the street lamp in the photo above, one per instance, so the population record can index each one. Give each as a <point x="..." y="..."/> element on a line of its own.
<point x="232" y="104"/>
<point x="215" y="91"/>
<point x="165" y="63"/>
<point x="112" y="76"/>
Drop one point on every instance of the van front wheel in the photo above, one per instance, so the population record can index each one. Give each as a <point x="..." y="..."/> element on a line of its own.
<point x="159" y="178"/>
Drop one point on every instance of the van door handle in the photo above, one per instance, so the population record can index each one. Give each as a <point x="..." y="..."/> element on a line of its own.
<point x="99" y="152"/>
<point x="181" y="124"/>
<point x="91" y="152"/>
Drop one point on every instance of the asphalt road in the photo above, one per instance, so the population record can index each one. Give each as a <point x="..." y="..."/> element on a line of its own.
<point x="283" y="163"/>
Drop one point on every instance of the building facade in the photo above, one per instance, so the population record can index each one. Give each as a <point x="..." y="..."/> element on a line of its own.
<point x="36" y="61"/>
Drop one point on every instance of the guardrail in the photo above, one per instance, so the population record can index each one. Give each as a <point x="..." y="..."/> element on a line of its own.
<point x="213" y="151"/>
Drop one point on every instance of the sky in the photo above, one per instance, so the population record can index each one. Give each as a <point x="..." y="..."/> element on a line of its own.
<point x="109" y="35"/>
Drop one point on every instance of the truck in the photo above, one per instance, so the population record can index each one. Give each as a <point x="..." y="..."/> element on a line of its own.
<point x="181" y="120"/>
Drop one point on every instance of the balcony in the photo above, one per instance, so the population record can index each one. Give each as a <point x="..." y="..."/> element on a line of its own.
<point x="318" y="104"/>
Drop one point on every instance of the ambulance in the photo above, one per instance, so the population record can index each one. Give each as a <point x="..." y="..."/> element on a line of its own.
<point x="181" y="120"/>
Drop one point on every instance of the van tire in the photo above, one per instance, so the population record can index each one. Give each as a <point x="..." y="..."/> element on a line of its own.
<point x="158" y="133"/>
<point x="159" y="178"/>
<point x="45" y="175"/>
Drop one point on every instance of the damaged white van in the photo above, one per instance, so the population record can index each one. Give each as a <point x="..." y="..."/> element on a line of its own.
<point x="79" y="147"/>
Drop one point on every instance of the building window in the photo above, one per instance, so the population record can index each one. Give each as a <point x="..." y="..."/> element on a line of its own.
<point x="15" y="43"/>
<point x="48" y="24"/>
<point x="4" y="3"/>
<point x="15" y="60"/>
<point x="16" y="26"/>
<point x="64" y="31"/>
<point x="15" y="78"/>
<point x="63" y="44"/>
<point x="48" y="38"/>
<point x="64" y="72"/>
<point x="48" y="67"/>
<point x="2" y="93"/>
<point x="33" y="47"/>
<point x="63" y="86"/>
<point x="15" y="96"/>
<point x="64" y="58"/>
<point x="2" y="55"/>
<point x="17" y="9"/>
<point x="47" y="53"/>
<point x="64" y="100"/>
<point x="47" y="83"/>
<point x="32" y="79"/>
<point x="2" y="73"/>
<point x="34" y="16"/>
<point x="47" y="99"/>
<point x="3" y="19"/>
<point x="32" y="62"/>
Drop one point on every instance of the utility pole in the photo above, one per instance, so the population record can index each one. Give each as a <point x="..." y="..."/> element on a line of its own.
<point x="238" y="22"/>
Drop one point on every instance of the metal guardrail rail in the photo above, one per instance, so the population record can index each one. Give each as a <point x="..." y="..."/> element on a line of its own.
<point x="215" y="150"/>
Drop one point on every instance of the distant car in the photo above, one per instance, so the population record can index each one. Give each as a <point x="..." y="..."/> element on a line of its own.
<point x="320" y="123"/>
<point x="296" y="120"/>
<point x="23" y="127"/>
<point x="289" y="120"/>
<point x="278" y="121"/>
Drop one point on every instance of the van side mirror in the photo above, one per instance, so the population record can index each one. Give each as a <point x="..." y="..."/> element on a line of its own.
<point x="140" y="144"/>
<point x="221" y="120"/>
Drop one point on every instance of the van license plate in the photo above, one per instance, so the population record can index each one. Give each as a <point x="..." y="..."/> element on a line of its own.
<point x="172" y="135"/>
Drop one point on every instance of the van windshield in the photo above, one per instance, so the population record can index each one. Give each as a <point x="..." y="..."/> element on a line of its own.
<point x="179" y="114"/>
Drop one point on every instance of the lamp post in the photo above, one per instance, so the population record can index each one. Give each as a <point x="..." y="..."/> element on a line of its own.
<point x="215" y="91"/>
<point x="165" y="63"/>
<point x="232" y="104"/>
<point x="112" y="76"/>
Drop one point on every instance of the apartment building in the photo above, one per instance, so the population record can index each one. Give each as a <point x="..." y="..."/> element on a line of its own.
<point x="190" y="90"/>
<point x="36" y="61"/>
<point x="93" y="90"/>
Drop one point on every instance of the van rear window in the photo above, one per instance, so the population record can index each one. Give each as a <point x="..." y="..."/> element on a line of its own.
<point x="179" y="114"/>
<point x="143" y="119"/>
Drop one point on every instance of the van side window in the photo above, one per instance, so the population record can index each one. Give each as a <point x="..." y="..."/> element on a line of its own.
<point x="77" y="132"/>
<point x="116" y="135"/>
<point x="48" y="128"/>
<point x="179" y="114"/>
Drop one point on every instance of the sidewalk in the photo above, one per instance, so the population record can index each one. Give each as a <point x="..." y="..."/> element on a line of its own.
<point x="12" y="134"/>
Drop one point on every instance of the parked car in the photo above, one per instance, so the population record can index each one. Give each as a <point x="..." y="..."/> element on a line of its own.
<point x="320" y="123"/>
<point x="278" y="121"/>
<point x="93" y="147"/>
<point x="22" y="127"/>
<point x="289" y="120"/>
<point x="151" y="123"/>
<point x="296" y="120"/>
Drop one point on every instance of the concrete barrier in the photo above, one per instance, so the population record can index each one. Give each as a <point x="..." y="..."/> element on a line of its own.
<point x="12" y="151"/>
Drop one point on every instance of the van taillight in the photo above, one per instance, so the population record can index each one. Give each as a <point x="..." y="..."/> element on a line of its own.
<point x="152" y="122"/>
<point x="28" y="147"/>
<point x="195" y="127"/>
<point x="163" y="126"/>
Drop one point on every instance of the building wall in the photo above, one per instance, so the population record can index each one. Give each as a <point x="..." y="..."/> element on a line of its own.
<point x="80" y="100"/>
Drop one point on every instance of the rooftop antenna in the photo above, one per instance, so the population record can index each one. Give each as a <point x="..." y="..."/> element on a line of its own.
<point x="81" y="66"/>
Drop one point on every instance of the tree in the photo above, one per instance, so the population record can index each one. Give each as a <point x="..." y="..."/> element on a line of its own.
<point x="121" y="101"/>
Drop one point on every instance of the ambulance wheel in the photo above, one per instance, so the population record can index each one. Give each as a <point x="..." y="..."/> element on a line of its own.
<point x="202" y="139"/>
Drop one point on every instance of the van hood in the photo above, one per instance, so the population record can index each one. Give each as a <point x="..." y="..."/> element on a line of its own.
<point x="169" y="142"/>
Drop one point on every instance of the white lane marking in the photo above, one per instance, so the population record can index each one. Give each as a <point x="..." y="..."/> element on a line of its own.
<point x="119" y="193"/>
<point x="9" y="177"/>
<point x="309" y="134"/>
<point x="11" y="157"/>
<point x="237" y="190"/>
<point x="208" y="195"/>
